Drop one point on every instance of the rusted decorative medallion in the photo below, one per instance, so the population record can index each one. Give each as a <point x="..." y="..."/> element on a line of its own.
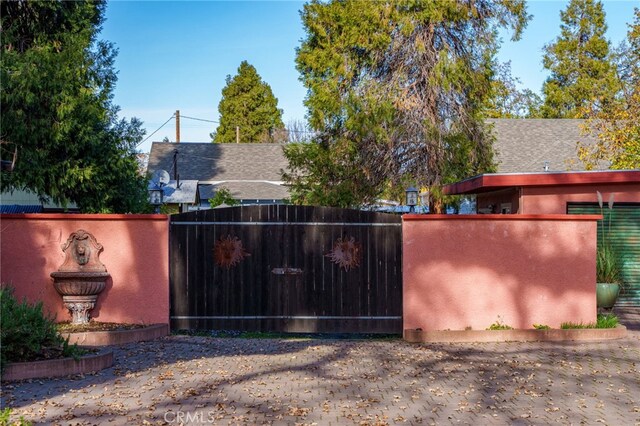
<point x="228" y="252"/>
<point x="346" y="253"/>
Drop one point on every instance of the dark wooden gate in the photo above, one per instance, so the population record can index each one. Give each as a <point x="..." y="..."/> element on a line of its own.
<point x="286" y="268"/>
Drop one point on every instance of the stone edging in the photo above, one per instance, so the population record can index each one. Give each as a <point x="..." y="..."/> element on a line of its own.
<point x="57" y="367"/>
<point x="118" y="337"/>
<point x="480" y="336"/>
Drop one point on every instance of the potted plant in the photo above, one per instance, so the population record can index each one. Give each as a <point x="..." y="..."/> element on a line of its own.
<point x="608" y="275"/>
<point x="608" y="265"/>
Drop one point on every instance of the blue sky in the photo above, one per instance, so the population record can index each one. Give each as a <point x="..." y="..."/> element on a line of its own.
<point x="176" y="55"/>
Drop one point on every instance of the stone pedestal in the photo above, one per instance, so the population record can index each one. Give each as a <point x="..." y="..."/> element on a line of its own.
<point x="79" y="306"/>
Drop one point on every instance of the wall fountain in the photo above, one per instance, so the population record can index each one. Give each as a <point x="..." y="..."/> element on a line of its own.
<point x="82" y="276"/>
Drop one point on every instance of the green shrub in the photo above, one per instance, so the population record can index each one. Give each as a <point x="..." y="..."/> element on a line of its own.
<point x="222" y="196"/>
<point x="27" y="334"/>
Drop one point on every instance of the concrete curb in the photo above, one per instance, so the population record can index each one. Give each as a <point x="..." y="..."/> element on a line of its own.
<point x="118" y="337"/>
<point x="57" y="367"/>
<point x="480" y="336"/>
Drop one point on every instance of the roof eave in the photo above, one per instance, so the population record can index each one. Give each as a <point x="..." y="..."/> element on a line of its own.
<point x="494" y="181"/>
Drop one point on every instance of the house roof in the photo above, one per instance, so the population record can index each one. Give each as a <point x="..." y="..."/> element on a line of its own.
<point x="524" y="145"/>
<point x="220" y="161"/>
<point x="246" y="190"/>
<point x="17" y="208"/>
<point x="496" y="181"/>
<point x="249" y="171"/>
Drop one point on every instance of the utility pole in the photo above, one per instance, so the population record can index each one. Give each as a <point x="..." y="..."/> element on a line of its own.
<point x="178" y="126"/>
<point x="237" y="134"/>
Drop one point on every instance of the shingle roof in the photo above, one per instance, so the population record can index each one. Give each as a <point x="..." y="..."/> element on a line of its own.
<point x="524" y="145"/>
<point x="247" y="190"/>
<point x="249" y="171"/>
<point x="220" y="161"/>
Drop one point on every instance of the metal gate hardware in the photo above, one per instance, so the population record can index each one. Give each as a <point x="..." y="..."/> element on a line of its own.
<point x="286" y="271"/>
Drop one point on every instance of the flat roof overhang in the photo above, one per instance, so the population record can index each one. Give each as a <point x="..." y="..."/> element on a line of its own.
<point x="497" y="181"/>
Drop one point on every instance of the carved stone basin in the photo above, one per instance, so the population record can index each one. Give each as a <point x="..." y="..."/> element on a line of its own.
<point x="79" y="283"/>
<point x="82" y="276"/>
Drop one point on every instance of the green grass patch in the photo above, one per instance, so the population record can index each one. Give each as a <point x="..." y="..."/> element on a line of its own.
<point x="603" y="321"/>
<point x="499" y="325"/>
<point x="541" y="327"/>
<point x="5" y="419"/>
<point x="607" y="321"/>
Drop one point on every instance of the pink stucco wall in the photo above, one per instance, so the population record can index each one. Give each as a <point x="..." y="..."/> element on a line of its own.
<point x="470" y="271"/>
<point x="553" y="200"/>
<point x="135" y="254"/>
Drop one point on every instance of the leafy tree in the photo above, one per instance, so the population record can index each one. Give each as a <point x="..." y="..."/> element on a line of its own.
<point x="298" y="131"/>
<point x="628" y="57"/>
<point x="617" y="127"/>
<point x="222" y="196"/>
<point x="617" y="130"/>
<point x="248" y="103"/>
<point x="57" y="83"/>
<point x="327" y="175"/>
<point x="395" y="92"/>
<point x="580" y="62"/>
<point x="507" y="101"/>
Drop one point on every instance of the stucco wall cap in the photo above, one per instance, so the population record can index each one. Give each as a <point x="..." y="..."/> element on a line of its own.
<point x="502" y="217"/>
<point x="83" y="216"/>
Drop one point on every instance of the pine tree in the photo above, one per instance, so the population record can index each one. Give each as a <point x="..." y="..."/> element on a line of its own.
<point x="57" y="86"/>
<point x="580" y="61"/>
<point x="248" y="104"/>
<point x="616" y="128"/>
<point x="628" y="57"/>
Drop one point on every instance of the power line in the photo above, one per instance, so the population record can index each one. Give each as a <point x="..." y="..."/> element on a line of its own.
<point x="301" y="131"/>
<point x="199" y="119"/>
<point x="156" y="131"/>
<point x="217" y="122"/>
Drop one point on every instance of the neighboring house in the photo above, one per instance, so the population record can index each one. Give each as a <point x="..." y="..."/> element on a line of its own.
<point x="23" y="201"/>
<point x="538" y="145"/>
<point x="251" y="172"/>
<point x="547" y="192"/>
<point x="538" y="157"/>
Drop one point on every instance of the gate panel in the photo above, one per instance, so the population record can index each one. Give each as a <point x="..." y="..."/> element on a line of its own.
<point x="285" y="275"/>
